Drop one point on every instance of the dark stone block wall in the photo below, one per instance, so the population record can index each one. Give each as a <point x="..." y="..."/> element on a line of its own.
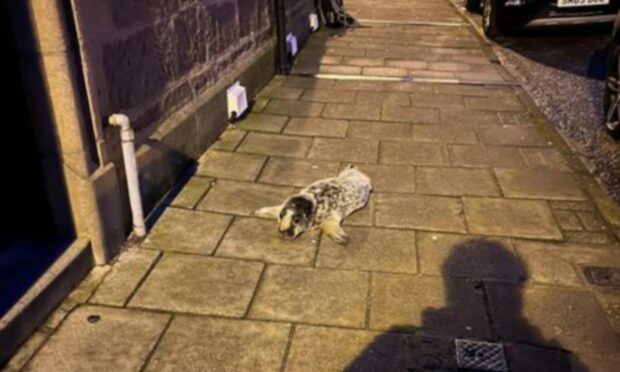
<point x="148" y="58"/>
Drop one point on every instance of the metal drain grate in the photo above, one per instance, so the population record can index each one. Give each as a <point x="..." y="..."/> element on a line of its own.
<point x="484" y="356"/>
<point x="603" y="276"/>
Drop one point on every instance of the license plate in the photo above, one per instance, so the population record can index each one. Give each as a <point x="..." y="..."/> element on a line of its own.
<point x="577" y="3"/>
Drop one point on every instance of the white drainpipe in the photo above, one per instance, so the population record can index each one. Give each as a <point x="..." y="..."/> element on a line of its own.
<point x="131" y="171"/>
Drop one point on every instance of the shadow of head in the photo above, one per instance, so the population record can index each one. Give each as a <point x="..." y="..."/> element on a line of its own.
<point x="479" y="278"/>
<point x="483" y="260"/>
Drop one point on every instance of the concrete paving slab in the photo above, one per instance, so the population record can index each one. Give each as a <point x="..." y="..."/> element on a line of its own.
<point x="568" y="220"/>
<point x="485" y="156"/>
<point x="456" y="182"/>
<point x="259" y="104"/>
<point x="575" y="206"/>
<point x="317" y="296"/>
<point x="352" y="111"/>
<point x="317" y="127"/>
<point x="362" y="151"/>
<point x="469" y="257"/>
<point x="385" y="71"/>
<point x="569" y="319"/>
<point x="281" y="92"/>
<point x="379" y="130"/>
<point x="429" y="305"/>
<point x="517" y="218"/>
<point x="589" y="237"/>
<point x="229" y="165"/>
<point x="124" y="277"/>
<point x="192" y="192"/>
<point x="258" y="240"/>
<point x="229" y="140"/>
<point x="383" y="98"/>
<point x="512" y="135"/>
<point x="204" y="344"/>
<point x="420" y="212"/>
<point x="539" y="158"/>
<point x="275" y="145"/>
<point x="357" y="85"/>
<point x="181" y="230"/>
<point x="415" y="115"/>
<point x="584" y="361"/>
<point x="469" y="117"/>
<point x="327" y="96"/>
<point x="538" y="184"/>
<point x="390" y="178"/>
<point x="335" y="349"/>
<point x="371" y="249"/>
<point x="496" y="103"/>
<point x="592" y="221"/>
<point x="308" y="83"/>
<point x="294" y="108"/>
<point x="263" y="122"/>
<point x="561" y="264"/>
<point x="326" y="349"/>
<point x="433" y="100"/>
<point x="411" y="153"/>
<point x="444" y="134"/>
<point x="202" y="285"/>
<point x="526" y="358"/>
<point x="242" y="198"/>
<point x="97" y="338"/>
<point x="298" y="173"/>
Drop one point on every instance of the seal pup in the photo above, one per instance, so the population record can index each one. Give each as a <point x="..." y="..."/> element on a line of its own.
<point x="323" y="204"/>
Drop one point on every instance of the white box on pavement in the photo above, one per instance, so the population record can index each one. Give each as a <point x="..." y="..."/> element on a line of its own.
<point x="237" y="100"/>
<point x="291" y="44"/>
<point x="314" y="22"/>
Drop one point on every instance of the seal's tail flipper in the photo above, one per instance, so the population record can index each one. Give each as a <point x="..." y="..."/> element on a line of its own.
<point x="268" y="212"/>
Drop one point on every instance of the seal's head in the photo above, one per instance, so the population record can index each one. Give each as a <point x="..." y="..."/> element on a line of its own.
<point x="295" y="217"/>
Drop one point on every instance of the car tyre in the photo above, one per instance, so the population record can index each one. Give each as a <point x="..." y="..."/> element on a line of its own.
<point x="491" y="20"/>
<point x="473" y="5"/>
<point x="612" y="91"/>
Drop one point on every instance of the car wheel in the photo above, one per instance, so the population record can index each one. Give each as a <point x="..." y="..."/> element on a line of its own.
<point x="490" y="17"/>
<point x="473" y="5"/>
<point x="612" y="92"/>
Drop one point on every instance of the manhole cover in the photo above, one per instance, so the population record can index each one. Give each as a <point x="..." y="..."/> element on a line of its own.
<point x="480" y="355"/>
<point x="603" y="276"/>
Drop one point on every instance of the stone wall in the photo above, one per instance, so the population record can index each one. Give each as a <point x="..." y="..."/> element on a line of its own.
<point x="148" y="58"/>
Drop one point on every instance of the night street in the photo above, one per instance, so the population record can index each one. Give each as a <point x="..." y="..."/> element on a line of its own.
<point x="224" y="187"/>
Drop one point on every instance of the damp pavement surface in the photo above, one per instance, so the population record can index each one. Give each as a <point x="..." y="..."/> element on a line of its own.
<point x="563" y="71"/>
<point x="483" y="226"/>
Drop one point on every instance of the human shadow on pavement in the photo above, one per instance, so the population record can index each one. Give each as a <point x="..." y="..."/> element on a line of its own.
<point x="477" y="275"/>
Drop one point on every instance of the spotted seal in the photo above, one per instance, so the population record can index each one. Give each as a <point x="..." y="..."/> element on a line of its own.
<point x="323" y="204"/>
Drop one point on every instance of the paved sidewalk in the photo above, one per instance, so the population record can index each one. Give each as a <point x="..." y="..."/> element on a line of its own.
<point x="479" y="227"/>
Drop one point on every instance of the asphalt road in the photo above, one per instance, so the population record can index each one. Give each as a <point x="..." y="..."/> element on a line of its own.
<point x="564" y="71"/>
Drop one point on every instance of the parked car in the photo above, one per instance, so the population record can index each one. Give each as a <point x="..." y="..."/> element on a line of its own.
<point x="502" y="16"/>
<point x="611" y="100"/>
